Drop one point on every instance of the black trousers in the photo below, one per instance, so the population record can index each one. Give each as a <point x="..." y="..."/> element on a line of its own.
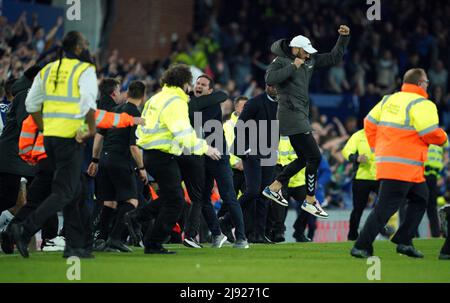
<point x="9" y="190"/>
<point x="38" y="191"/>
<point x="361" y="190"/>
<point x="432" y="206"/>
<point x="192" y="170"/>
<point x="308" y="154"/>
<point x="66" y="156"/>
<point x="391" y="194"/>
<point x="165" y="169"/>
<point x="254" y="204"/>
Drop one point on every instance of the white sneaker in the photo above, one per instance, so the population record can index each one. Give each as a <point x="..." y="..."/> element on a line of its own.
<point x="5" y="218"/>
<point x="314" y="209"/>
<point x="55" y="244"/>
<point x="276" y="197"/>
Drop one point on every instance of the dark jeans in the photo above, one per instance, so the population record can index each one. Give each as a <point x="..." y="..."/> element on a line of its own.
<point x="253" y="203"/>
<point x="66" y="157"/>
<point x="361" y="190"/>
<point x="9" y="190"/>
<point x="193" y="174"/>
<point x="432" y="206"/>
<point x="39" y="190"/>
<point x="165" y="169"/>
<point x="391" y="194"/>
<point x="239" y="186"/>
<point x="222" y="173"/>
<point x="308" y="154"/>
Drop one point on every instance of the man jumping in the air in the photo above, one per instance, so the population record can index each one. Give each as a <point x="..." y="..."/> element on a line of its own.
<point x="291" y="72"/>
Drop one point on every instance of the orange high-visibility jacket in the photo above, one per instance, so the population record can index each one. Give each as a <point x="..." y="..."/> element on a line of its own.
<point x="399" y="129"/>
<point x="31" y="141"/>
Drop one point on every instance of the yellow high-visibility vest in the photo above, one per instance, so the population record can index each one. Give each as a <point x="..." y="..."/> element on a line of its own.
<point x="61" y="109"/>
<point x="286" y="154"/>
<point x="167" y="127"/>
<point x="358" y="144"/>
<point x="435" y="160"/>
<point x="228" y="129"/>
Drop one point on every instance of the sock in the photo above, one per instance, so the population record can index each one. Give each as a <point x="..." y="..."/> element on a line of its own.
<point x="5" y="218"/>
<point x="105" y="222"/>
<point x="119" y="226"/>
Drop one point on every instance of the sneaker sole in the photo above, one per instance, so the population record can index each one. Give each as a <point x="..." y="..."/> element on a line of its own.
<point x="315" y="214"/>
<point x="190" y="244"/>
<point x="274" y="199"/>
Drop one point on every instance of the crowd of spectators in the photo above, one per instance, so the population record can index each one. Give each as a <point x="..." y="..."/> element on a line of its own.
<point x="231" y="42"/>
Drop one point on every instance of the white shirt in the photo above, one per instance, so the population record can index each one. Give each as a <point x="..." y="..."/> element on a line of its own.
<point x="88" y="93"/>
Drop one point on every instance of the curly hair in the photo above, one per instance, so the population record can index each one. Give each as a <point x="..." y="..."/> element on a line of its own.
<point x="177" y="75"/>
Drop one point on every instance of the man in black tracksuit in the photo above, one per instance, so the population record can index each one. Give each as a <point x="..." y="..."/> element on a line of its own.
<point x="261" y="109"/>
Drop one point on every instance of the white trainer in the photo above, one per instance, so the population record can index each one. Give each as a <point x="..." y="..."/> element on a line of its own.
<point x="314" y="209"/>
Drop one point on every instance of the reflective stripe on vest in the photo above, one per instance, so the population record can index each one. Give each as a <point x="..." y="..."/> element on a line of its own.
<point x="398" y="160"/>
<point x="157" y="129"/>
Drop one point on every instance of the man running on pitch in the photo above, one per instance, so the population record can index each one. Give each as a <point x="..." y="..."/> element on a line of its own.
<point x="290" y="73"/>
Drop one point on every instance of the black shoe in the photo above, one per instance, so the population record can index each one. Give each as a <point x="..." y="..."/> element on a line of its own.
<point x="444" y="256"/>
<point x="19" y="238"/>
<point x="262" y="239"/>
<point x="134" y="227"/>
<point x="117" y="244"/>
<point x="99" y="245"/>
<point x="77" y="252"/>
<point x="226" y="230"/>
<point x="360" y="253"/>
<point x="299" y="237"/>
<point x="278" y="237"/>
<point x="157" y="249"/>
<point x="409" y="250"/>
<point x="7" y="242"/>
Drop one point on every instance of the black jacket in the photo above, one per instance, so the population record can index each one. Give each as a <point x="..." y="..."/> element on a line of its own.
<point x="209" y="107"/>
<point x="10" y="162"/>
<point x="261" y="110"/>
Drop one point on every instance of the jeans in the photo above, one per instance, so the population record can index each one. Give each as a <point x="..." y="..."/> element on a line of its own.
<point x="222" y="173"/>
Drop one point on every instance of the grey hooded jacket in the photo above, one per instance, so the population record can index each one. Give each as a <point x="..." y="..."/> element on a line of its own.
<point x="292" y="84"/>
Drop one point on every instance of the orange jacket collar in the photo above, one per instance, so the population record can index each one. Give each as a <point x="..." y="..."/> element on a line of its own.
<point x="412" y="88"/>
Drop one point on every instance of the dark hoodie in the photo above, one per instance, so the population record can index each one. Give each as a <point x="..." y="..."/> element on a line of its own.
<point x="292" y="84"/>
<point x="10" y="162"/>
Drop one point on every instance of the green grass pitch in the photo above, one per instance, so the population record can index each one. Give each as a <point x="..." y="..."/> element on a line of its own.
<point x="293" y="262"/>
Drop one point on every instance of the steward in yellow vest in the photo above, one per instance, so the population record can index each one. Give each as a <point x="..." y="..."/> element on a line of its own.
<point x="433" y="167"/>
<point x="166" y="135"/>
<point x="357" y="151"/>
<point x="60" y="100"/>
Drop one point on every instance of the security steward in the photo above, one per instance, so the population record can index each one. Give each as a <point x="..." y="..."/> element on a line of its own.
<point x="61" y="100"/>
<point x="400" y="128"/>
<point x="168" y="134"/>
<point x="433" y="168"/>
<point x="357" y="151"/>
<point x="32" y="151"/>
<point x="116" y="179"/>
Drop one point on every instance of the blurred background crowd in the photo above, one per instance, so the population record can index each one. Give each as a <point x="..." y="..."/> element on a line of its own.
<point x="231" y="42"/>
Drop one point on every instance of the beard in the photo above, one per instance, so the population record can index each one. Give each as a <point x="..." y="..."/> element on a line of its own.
<point x="86" y="56"/>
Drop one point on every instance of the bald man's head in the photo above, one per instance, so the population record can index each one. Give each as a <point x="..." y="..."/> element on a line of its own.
<point x="416" y="76"/>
